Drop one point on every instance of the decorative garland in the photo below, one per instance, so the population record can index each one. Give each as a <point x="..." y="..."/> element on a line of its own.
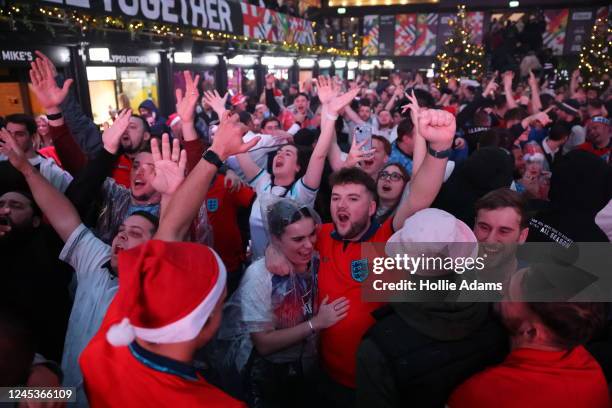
<point x="29" y="15"/>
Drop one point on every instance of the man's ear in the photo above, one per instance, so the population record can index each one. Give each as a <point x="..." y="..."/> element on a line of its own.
<point x="523" y="235"/>
<point x="372" y="209"/>
<point x="146" y="136"/>
<point x="36" y="220"/>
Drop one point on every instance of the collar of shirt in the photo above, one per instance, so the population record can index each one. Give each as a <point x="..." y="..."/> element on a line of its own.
<point x="163" y="364"/>
<point x="374" y="226"/>
<point x="395" y="146"/>
<point x="547" y="148"/>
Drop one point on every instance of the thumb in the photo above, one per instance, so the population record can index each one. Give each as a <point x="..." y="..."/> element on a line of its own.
<point x="67" y="85"/>
<point x="324" y="301"/>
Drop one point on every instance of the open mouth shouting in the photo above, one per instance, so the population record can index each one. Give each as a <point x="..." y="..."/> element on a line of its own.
<point x="139" y="183"/>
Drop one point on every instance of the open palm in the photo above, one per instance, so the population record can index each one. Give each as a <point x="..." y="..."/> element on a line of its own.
<point x="170" y="165"/>
<point x="45" y="88"/>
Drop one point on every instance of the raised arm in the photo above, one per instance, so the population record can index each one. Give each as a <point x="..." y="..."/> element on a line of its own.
<point x="170" y="164"/>
<point x="85" y="131"/>
<point x="350" y="114"/>
<point x="269" y="95"/>
<point x="332" y="104"/>
<point x="438" y="129"/>
<point x="508" y="76"/>
<point x="536" y="103"/>
<point x="50" y="96"/>
<point x="185" y="105"/>
<point x="420" y="145"/>
<point x="57" y="208"/>
<point x="187" y="200"/>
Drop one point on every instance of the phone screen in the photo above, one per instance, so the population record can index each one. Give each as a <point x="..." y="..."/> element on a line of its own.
<point x="364" y="132"/>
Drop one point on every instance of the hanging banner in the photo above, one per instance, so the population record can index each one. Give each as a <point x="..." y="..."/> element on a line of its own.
<point x="427" y="27"/>
<point x="370" y="36"/>
<point x="230" y="16"/>
<point x="578" y="28"/>
<point x="386" y="35"/>
<point x="556" y="24"/>
<point x="405" y="34"/>
<point x="475" y="24"/>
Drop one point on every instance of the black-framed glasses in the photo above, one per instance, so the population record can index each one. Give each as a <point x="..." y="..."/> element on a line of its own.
<point x="390" y="176"/>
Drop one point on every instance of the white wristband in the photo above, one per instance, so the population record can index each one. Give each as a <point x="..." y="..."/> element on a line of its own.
<point x="312" y="329"/>
<point x="331" y="117"/>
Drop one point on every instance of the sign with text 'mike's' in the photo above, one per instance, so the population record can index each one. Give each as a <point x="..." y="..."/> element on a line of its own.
<point x="230" y="16"/>
<point x="22" y="56"/>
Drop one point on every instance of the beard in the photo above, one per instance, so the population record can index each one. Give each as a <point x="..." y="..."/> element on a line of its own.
<point x="355" y="229"/>
<point x="144" y="197"/>
<point x="17" y="234"/>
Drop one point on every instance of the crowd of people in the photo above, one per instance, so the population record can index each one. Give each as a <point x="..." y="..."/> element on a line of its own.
<point x="215" y="259"/>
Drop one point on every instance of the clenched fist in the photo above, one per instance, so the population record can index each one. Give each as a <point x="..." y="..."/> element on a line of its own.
<point x="437" y="127"/>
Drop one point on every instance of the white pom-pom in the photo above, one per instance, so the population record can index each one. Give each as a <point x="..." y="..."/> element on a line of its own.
<point x="121" y="334"/>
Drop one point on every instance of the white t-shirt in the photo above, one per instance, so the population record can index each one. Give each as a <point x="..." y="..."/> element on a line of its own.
<point x="96" y="288"/>
<point x="262" y="184"/>
<point x="59" y="178"/>
<point x="258" y="153"/>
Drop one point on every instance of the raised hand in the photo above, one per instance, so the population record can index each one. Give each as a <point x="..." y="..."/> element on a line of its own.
<point x="111" y="137"/>
<point x="357" y="154"/>
<point x="543" y="117"/>
<point x="228" y="138"/>
<point x="170" y="165"/>
<point x="49" y="95"/>
<point x="216" y="101"/>
<point x="414" y="107"/>
<point x="491" y="87"/>
<point x="437" y="127"/>
<point x="330" y="313"/>
<point x="10" y="148"/>
<point x="232" y="181"/>
<point x="533" y="81"/>
<point x="185" y="104"/>
<point x="508" y="76"/>
<point x="270" y="81"/>
<point x="326" y="89"/>
<point x="339" y="102"/>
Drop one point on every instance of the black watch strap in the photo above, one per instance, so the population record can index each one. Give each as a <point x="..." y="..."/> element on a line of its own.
<point x="443" y="154"/>
<point x="212" y="158"/>
<point x="55" y="116"/>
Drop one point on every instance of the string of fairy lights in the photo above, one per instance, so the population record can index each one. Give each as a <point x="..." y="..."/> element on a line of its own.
<point x="595" y="59"/>
<point x="460" y="57"/>
<point x="28" y="16"/>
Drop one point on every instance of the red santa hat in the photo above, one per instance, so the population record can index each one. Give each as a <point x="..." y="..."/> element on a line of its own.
<point x="238" y="99"/>
<point x="173" y="119"/>
<point x="167" y="291"/>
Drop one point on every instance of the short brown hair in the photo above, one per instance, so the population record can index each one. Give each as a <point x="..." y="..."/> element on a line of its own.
<point x="385" y="142"/>
<point x="354" y="175"/>
<point x="571" y="323"/>
<point x="502" y="198"/>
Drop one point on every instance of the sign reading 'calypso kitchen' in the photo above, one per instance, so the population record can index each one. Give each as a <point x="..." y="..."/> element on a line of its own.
<point x="221" y="15"/>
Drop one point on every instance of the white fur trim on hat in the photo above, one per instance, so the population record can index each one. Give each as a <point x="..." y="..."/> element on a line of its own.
<point x="121" y="334"/>
<point x="184" y="329"/>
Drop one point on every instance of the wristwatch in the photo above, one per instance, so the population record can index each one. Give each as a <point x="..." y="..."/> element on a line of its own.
<point x="443" y="154"/>
<point x="212" y="158"/>
<point x="54" y="116"/>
